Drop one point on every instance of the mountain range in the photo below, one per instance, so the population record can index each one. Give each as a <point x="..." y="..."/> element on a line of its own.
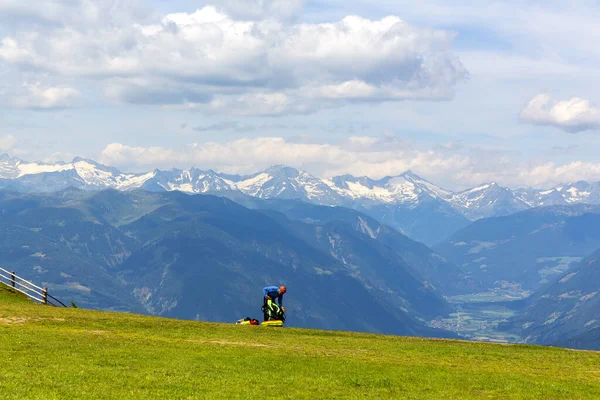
<point x="207" y="257"/>
<point x="196" y="244"/>
<point x="406" y="202"/>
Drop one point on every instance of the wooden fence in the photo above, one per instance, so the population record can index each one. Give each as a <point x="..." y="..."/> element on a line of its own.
<point x="30" y="290"/>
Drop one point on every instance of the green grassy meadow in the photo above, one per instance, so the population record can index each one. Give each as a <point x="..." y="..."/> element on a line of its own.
<point x="50" y="353"/>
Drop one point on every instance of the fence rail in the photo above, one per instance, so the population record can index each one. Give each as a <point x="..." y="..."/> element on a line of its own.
<point x="34" y="292"/>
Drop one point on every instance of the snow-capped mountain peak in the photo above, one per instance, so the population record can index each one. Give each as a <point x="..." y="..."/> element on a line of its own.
<point x="288" y="183"/>
<point x="488" y="199"/>
<point x="404" y="190"/>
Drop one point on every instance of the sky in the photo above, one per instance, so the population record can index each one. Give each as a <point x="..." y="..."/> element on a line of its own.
<point x="459" y="92"/>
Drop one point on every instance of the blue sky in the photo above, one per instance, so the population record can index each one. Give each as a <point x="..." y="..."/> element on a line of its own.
<point x="459" y="93"/>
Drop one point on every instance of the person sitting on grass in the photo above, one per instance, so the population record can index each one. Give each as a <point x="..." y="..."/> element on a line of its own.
<point x="270" y="294"/>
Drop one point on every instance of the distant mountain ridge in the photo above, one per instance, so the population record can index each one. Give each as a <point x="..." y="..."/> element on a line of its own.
<point x="406" y="202"/>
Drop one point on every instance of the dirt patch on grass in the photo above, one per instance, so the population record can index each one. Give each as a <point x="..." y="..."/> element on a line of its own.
<point x="229" y="343"/>
<point x="298" y="349"/>
<point x="13" y="320"/>
<point x="22" y="320"/>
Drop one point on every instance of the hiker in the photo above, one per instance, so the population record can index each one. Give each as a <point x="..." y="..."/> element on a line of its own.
<point x="270" y="293"/>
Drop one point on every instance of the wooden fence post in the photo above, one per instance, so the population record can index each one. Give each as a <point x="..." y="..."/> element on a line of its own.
<point x="45" y="295"/>
<point x="12" y="278"/>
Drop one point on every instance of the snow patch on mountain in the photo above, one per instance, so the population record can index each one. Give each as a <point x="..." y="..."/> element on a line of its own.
<point x="35" y="168"/>
<point x="254" y="185"/>
<point x="357" y="190"/>
<point x="365" y="228"/>
<point x="576" y="195"/>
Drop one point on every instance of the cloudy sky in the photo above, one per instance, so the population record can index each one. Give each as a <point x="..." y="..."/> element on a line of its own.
<point x="460" y="93"/>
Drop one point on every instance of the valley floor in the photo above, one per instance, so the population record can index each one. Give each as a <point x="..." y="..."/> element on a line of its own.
<point x="49" y="353"/>
<point x="478" y="319"/>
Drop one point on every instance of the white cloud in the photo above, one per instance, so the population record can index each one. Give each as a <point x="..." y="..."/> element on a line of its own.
<point x="250" y="155"/>
<point x="211" y="61"/>
<point x="549" y="27"/>
<point x="7" y="142"/>
<point x="263" y="9"/>
<point x="574" y="115"/>
<point x="40" y="10"/>
<point x="81" y="13"/>
<point x="371" y="156"/>
<point x="274" y="103"/>
<point x="543" y="174"/>
<point x="35" y="96"/>
<point x="363" y="141"/>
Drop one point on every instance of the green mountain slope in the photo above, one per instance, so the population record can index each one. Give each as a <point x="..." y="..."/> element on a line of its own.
<point x="520" y="253"/>
<point x="54" y="353"/>
<point x="566" y="312"/>
<point x="75" y="257"/>
<point x="435" y="269"/>
<point x="11" y="296"/>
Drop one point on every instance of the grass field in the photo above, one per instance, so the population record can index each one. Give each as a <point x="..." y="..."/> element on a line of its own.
<point x="49" y="353"/>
